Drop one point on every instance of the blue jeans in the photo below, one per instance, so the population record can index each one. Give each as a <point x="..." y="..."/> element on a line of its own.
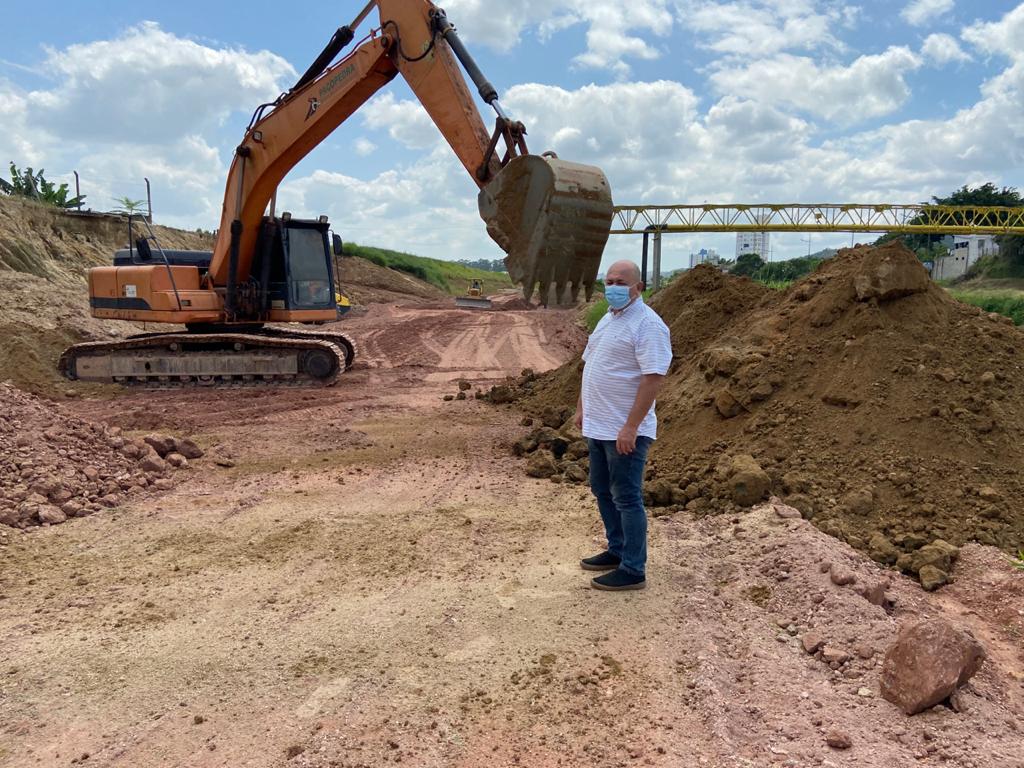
<point x="617" y="483"/>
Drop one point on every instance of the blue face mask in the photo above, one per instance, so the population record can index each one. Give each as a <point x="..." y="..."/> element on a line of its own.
<point x="617" y="295"/>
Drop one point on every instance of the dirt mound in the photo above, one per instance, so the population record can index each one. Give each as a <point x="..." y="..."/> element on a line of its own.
<point x="44" y="256"/>
<point x="60" y="246"/>
<point x="54" y="466"/>
<point x="887" y="412"/>
<point x="367" y="283"/>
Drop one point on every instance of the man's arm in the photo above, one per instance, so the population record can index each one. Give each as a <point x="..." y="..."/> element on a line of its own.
<point x="650" y="383"/>
<point x="579" y="411"/>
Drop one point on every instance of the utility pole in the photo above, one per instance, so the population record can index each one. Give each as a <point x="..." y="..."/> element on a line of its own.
<point x="78" y="191"/>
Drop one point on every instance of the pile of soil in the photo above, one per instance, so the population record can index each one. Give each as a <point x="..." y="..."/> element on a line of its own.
<point x="54" y="465"/>
<point x="889" y="413"/>
<point x="367" y="283"/>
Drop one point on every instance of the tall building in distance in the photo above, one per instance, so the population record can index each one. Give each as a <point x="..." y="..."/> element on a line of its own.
<point x="704" y="256"/>
<point x="752" y="242"/>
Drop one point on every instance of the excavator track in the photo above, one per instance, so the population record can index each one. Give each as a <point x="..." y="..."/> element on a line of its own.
<point x="273" y="357"/>
<point x="345" y="343"/>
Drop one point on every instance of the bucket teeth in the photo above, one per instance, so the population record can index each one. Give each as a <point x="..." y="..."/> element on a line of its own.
<point x="552" y="218"/>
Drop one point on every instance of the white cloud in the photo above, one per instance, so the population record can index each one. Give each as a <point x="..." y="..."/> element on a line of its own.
<point x="427" y="207"/>
<point x="609" y="26"/>
<point x="620" y="124"/>
<point x="18" y="142"/>
<point x="757" y="133"/>
<point x="1004" y="37"/>
<point x="869" y="87"/>
<point x="921" y="12"/>
<point x="405" y="121"/>
<point x="762" y="27"/>
<point x="141" y="105"/>
<point x="941" y="49"/>
<point x="364" y="147"/>
<point x="187" y="178"/>
<point x="149" y="85"/>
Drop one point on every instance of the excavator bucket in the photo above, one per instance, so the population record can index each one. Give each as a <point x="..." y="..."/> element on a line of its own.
<point x="552" y="218"/>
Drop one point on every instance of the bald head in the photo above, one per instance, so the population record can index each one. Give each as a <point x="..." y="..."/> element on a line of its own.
<point x="624" y="272"/>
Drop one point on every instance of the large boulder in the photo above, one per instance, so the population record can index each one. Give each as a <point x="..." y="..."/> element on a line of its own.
<point x="881" y="549"/>
<point x="187" y="448"/>
<point x="576" y="473"/>
<point x="928" y="662"/>
<point x="939" y="553"/>
<point x="889" y="273"/>
<point x="541" y="464"/>
<point x="748" y="483"/>
<point x="162" y="444"/>
<point x="658" y="493"/>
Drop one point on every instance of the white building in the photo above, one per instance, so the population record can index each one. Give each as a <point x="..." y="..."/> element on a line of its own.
<point x="963" y="253"/>
<point x="704" y="256"/>
<point x="752" y="242"/>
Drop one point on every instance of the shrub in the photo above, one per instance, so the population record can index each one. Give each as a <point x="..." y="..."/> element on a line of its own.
<point x="1008" y="303"/>
<point x="33" y="185"/>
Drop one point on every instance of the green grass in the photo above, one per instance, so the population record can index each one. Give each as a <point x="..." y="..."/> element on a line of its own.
<point x="594" y="314"/>
<point x="1008" y="303"/>
<point x="449" y="276"/>
<point x="1018" y="561"/>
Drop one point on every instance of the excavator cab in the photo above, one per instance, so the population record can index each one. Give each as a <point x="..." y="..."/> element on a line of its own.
<point x="301" y="270"/>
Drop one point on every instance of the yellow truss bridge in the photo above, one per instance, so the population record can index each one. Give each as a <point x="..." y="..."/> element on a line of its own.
<point x="798" y="217"/>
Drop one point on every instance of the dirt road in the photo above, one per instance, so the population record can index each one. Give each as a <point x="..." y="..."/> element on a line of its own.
<point x="375" y="582"/>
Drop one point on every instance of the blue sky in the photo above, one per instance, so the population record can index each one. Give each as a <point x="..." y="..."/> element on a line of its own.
<point x="679" y="101"/>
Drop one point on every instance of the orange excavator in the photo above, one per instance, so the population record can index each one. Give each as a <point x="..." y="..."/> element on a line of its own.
<point x="551" y="217"/>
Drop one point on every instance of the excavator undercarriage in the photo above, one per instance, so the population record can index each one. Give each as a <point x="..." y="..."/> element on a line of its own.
<point x="278" y="356"/>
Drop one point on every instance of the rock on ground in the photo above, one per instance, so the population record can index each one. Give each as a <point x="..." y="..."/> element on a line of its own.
<point x="54" y="466"/>
<point x="928" y="662"/>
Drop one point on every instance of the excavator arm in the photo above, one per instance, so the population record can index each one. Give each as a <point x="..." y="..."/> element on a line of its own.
<point x="551" y="217"/>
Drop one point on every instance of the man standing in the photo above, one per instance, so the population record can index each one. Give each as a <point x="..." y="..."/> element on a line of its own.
<point x="625" y="362"/>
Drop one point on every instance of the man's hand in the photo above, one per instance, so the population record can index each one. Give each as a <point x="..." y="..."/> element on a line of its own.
<point x="625" y="443"/>
<point x="578" y="421"/>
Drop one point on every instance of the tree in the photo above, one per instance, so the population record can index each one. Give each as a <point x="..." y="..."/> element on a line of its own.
<point x="748" y="264"/>
<point x="984" y="195"/>
<point x="34" y="186"/>
<point x="129" y="206"/>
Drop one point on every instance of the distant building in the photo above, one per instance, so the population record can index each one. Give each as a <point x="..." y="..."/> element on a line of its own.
<point x="964" y="251"/>
<point x="752" y="242"/>
<point x="704" y="256"/>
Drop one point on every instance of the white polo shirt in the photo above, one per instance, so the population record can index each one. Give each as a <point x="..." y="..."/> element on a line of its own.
<point x="623" y="347"/>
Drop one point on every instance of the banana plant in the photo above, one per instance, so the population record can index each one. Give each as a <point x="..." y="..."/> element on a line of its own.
<point x="33" y="185"/>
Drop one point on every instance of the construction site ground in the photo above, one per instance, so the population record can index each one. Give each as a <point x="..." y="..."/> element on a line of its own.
<point x="363" y="576"/>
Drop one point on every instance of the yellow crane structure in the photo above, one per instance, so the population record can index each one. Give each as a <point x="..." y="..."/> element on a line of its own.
<point x="807" y="217"/>
<point x="821" y="217"/>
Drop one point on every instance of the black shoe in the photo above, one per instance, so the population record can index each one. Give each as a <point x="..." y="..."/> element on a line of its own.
<point x="618" y="580"/>
<point x="606" y="561"/>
